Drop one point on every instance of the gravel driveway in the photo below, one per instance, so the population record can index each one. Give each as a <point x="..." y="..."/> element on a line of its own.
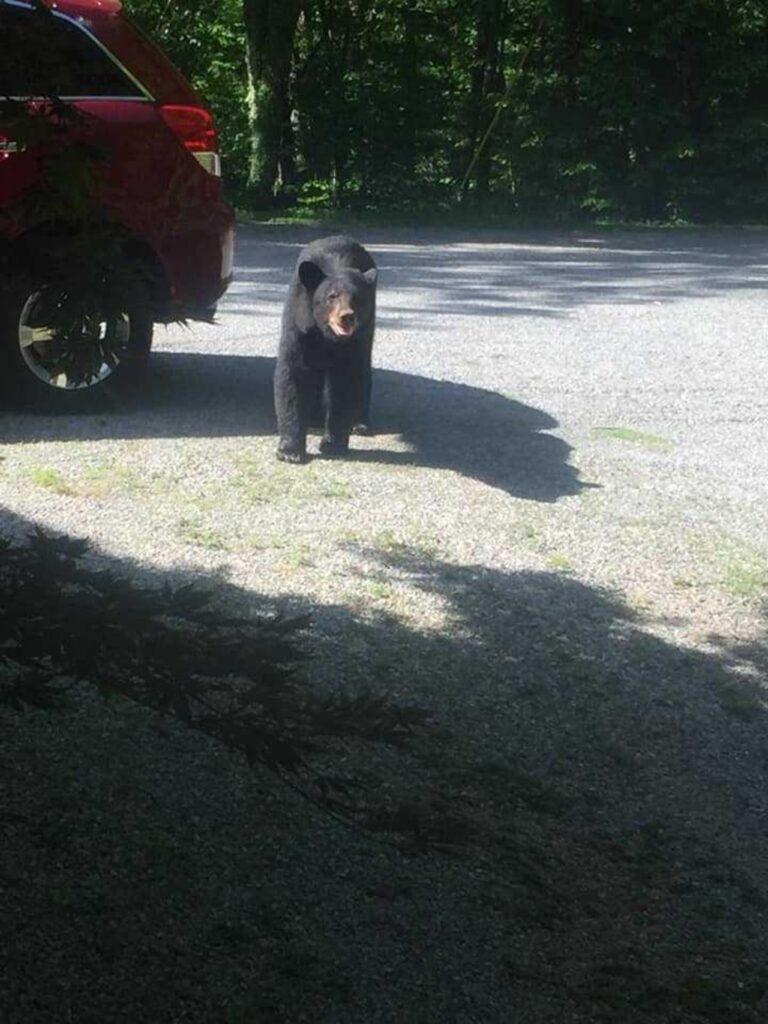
<point x="557" y="540"/>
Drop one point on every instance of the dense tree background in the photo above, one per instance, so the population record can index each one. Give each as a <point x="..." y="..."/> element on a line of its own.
<point x="639" y="109"/>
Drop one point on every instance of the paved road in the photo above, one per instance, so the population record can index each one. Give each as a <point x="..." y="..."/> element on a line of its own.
<point x="558" y="539"/>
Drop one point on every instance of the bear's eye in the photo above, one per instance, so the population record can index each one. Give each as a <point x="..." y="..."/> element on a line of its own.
<point x="332" y="296"/>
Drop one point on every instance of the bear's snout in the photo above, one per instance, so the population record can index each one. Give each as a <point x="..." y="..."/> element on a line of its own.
<point x="343" y="322"/>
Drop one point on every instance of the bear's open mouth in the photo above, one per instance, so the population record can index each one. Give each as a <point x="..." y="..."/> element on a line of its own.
<point x="342" y="328"/>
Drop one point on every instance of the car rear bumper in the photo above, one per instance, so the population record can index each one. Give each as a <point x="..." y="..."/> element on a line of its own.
<point x="199" y="267"/>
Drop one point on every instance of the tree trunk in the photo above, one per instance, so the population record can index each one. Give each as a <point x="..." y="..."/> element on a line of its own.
<point x="486" y="80"/>
<point x="270" y="29"/>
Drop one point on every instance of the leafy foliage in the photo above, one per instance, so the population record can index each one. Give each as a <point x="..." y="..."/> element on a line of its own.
<point x="642" y="110"/>
<point x="206" y="39"/>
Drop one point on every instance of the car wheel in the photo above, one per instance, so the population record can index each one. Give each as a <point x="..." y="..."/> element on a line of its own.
<point x="68" y="350"/>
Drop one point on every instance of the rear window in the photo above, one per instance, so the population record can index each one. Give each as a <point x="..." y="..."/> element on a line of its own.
<point x="46" y="54"/>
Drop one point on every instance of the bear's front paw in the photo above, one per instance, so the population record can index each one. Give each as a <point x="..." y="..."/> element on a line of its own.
<point x="333" y="448"/>
<point x="363" y="430"/>
<point x="287" y="454"/>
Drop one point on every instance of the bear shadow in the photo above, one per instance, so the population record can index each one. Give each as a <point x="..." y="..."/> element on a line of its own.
<point x="477" y="433"/>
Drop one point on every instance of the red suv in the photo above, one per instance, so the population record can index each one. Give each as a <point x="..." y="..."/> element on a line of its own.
<point x="80" y="292"/>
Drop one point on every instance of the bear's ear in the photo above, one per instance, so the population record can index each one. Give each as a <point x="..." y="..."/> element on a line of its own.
<point x="310" y="275"/>
<point x="371" y="275"/>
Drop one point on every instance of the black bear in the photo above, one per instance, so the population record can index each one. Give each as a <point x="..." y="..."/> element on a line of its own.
<point x="325" y="347"/>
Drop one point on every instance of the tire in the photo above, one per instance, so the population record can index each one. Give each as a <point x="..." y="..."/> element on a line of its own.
<point x="69" y="350"/>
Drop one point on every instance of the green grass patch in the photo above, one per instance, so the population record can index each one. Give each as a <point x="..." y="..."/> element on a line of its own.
<point x="525" y="532"/>
<point x="379" y="591"/>
<point x="100" y="480"/>
<point x="424" y="548"/>
<point x="260" y="483"/>
<point x="631" y="435"/>
<point x="746" y="579"/>
<point x="317" y="207"/>
<point x="335" y="489"/>
<point x="105" y="478"/>
<point x="298" y="556"/>
<point x="560" y="562"/>
<point x="194" y="531"/>
<point x="386" y="540"/>
<point x="51" y="479"/>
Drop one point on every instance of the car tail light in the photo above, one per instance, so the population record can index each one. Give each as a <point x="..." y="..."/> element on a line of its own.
<point x="193" y="127"/>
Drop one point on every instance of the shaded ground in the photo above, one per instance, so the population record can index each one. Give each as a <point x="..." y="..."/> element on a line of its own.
<point x="152" y="877"/>
<point x="556" y="542"/>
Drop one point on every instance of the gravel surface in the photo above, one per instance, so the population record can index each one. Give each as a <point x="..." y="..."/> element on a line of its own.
<point x="557" y="541"/>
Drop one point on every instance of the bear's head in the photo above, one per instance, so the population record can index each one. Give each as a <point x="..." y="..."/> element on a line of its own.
<point x="342" y="302"/>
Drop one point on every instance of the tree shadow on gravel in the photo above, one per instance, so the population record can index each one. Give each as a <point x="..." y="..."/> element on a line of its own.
<point x="628" y="779"/>
<point x="479" y="434"/>
<point x="551" y="276"/>
<point x="621" y="780"/>
<point x="512" y="273"/>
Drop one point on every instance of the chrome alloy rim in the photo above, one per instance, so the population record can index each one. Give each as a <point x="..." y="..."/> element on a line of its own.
<point x="70" y="351"/>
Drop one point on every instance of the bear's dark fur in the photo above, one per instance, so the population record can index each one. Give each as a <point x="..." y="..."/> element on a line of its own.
<point x="325" y="347"/>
